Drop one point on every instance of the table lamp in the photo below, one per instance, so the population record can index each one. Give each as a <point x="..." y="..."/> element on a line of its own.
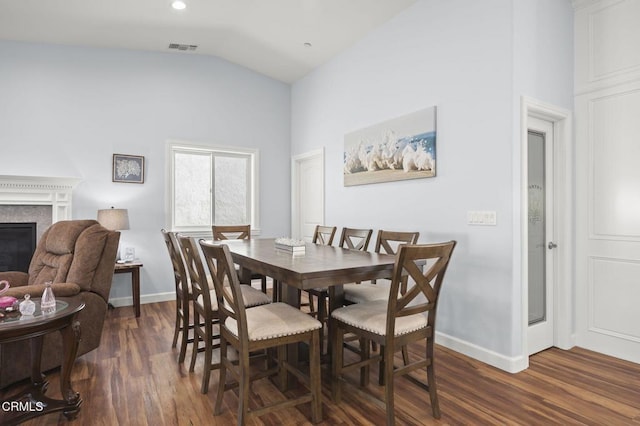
<point x="116" y="220"/>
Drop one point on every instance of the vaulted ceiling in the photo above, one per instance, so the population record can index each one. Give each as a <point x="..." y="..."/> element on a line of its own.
<point x="283" y="39"/>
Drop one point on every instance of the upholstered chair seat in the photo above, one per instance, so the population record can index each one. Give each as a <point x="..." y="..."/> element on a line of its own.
<point x="274" y="320"/>
<point x="252" y="297"/>
<point x="365" y="292"/>
<point x="372" y="317"/>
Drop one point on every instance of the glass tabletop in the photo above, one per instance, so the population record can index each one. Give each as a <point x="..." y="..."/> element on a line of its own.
<point x="17" y="317"/>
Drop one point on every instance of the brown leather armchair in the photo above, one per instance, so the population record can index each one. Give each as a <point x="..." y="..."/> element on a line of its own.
<point x="78" y="257"/>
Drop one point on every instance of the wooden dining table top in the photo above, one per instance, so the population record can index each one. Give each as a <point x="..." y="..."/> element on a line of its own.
<point x="319" y="266"/>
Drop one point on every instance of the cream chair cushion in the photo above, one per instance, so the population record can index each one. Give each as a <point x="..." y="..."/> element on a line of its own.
<point x="365" y="292"/>
<point x="274" y="320"/>
<point x="251" y="296"/>
<point x="372" y="316"/>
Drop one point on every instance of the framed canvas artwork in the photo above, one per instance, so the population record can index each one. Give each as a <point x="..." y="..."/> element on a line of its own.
<point x="397" y="149"/>
<point x="128" y="168"/>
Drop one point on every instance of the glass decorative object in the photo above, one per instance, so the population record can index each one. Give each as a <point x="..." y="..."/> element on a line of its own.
<point x="48" y="301"/>
<point x="27" y="307"/>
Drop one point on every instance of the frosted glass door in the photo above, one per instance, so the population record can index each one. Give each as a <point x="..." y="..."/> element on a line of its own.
<point x="536" y="216"/>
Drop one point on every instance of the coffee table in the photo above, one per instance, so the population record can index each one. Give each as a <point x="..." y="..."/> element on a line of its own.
<point x="33" y="402"/>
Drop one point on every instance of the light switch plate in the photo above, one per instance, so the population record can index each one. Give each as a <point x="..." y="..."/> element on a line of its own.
<point x="484" y="217"/>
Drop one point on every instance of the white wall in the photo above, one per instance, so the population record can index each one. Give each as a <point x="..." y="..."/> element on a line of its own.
<point x="65" y="110"/>
<point x="459" y="56"/>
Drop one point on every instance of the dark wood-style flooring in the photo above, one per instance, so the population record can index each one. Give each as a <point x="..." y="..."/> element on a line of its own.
<point x="134" y="379"/>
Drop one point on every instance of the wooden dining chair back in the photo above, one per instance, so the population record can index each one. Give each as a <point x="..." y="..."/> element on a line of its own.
<point x="257" y="329"/>
<point x="231" y="232"/>
<point x="355" y="239"/>
<point x="389" y="241"/>
<point x="237" y="232"/>
<point x="396" y="322"/>
<point x="324" y="235"/>
<point x="205" y="310"/>
<point x="183" y="295"/>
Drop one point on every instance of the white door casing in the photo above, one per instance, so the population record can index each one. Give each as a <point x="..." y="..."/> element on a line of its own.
<point x="563" y="312"/>
<point x="307" y="193"/>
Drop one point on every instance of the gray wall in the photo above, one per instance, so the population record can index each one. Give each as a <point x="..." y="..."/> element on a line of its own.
<point x="460" y="56"/>
<point x="65" y="110"/>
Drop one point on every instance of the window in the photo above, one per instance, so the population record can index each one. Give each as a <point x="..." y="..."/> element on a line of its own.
<point x="211" y="185"/>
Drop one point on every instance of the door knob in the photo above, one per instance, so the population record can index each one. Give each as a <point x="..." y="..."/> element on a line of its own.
<point x="552" y="245"/>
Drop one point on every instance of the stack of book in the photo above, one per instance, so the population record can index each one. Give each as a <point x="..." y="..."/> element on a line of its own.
<point x="290" y="245"/>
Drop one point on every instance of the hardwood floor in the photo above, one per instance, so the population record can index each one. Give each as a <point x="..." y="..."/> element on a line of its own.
<point x="133" y="378"/>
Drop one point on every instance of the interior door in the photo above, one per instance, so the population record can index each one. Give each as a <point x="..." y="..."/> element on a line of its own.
<point x="541" y="243"/>
<point x="608" y="221"/>
<point x="307" y="194"/>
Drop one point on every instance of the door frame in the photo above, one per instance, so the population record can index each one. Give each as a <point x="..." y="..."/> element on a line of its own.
<point x="296" y="160"/>
<point x="564" y="294"/>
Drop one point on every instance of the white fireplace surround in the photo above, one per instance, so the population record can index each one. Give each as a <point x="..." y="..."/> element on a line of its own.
<point x="39" y="191"/>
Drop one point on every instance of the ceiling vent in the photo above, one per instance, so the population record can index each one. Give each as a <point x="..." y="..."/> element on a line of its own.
<point x="189" y="47"/>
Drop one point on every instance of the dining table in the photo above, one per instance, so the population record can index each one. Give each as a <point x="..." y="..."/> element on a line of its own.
<point x="318" y="266"/>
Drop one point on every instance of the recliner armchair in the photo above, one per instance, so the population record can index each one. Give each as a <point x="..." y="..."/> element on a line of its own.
<point x="78" y="257"/>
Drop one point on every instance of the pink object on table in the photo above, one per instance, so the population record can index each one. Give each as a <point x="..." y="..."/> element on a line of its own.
<point x="6" y="301"/>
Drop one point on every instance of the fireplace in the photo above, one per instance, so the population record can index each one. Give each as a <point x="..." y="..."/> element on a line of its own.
<point x="33" y="201"/>
<point x="17" y="244"/>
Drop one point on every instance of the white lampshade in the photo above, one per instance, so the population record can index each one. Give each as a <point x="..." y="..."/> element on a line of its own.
<point x="114" y="219"/>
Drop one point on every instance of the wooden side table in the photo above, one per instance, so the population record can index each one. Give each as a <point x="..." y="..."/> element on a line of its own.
<point x="33" y="402"/>
<point x="134" y="269"/>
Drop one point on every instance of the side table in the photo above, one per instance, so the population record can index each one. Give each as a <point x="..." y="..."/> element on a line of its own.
<point x="33" y="402"/>
<point x="134" y="269"/>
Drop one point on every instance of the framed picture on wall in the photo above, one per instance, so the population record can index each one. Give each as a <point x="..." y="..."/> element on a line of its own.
<point x="128" y="168"/>
<point x="397" y="149"/>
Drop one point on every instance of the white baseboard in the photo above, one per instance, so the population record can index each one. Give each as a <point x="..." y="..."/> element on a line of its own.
<point x="509" y="364"/>
<point x="147" y="298"/>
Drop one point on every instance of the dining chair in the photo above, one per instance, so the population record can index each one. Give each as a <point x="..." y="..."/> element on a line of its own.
<point x="273" y="325"/>
<point x="322" y="235"/>
<point x="352" y="239"/>
<point x="205" y="308"/>
<point x="355" y="239"/>
<point x="395" y="322"/>
<point x="387" y="242"/>
<point x="183" y="295"/>
<point x="237" y="232"/>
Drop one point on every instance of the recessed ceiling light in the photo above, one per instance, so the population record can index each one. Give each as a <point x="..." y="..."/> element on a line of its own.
<point x="178" y="5"/>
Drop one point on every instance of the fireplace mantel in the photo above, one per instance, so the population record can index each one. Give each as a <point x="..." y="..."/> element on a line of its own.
<point x="39" y="190"/>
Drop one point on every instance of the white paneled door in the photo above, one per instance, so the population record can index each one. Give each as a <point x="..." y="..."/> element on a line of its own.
<point x="607" y="108"/>
<point x="608" y="221"/>
<point x="307" y="194"/>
